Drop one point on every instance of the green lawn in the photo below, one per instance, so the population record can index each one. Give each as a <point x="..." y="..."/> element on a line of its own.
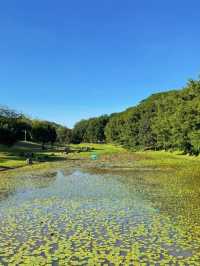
<point x="14" y="156"/>
<point x="107" y="156"/>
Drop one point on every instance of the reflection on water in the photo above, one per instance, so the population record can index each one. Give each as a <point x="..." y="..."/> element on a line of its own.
<point x="97" y="218"/>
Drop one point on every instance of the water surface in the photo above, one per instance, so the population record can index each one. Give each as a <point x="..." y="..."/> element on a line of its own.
<point x="97" y="217"/>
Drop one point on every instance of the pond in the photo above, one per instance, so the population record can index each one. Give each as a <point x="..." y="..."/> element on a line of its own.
<point x="100" y="217"/>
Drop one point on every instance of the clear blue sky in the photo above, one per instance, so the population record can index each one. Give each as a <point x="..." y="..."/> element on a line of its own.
<point x="66" y="60"/>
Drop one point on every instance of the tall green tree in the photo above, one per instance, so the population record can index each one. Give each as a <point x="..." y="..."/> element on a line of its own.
<point x="12" y="126"/>
<point x="43" y="132"/>
<point x="64" y="135"/>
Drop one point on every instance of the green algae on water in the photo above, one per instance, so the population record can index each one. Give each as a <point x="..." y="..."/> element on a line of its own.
<point x="100" y="218"/>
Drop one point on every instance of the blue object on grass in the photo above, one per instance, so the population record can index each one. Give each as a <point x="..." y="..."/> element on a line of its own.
<point x="94" y="156"/>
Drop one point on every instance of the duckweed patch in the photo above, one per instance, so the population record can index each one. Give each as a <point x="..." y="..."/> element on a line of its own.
<point x="100" y="218"/>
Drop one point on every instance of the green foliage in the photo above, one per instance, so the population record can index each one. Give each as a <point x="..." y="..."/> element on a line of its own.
<point x="79" y="131"/>
<point x="12" y="126"/>
<point x="15" y="127"/>
<point x="169" y="120"/>
<point x="64" y="135"/>
<point x="195" y="141"/>
<point x="43" y="132"/>
<point x="91" y="130"/>
<point x="164" y="121"/>
<point x="95" y="129"/>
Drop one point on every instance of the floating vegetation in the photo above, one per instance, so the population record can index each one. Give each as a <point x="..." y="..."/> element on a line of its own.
<point x="85" y="218"/>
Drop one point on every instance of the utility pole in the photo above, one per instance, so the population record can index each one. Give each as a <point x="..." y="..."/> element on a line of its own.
<point x="25" y="133"/>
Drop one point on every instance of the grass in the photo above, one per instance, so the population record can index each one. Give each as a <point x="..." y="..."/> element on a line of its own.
<point x="16" y="156"/>
<point x="108" y="156"/>
<point x="13" y="158"/>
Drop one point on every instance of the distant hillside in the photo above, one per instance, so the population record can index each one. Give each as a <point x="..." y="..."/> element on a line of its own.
<point x="169" y="120"/>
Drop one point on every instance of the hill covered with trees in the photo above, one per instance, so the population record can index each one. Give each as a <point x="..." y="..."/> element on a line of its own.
<point x="169" y="120"/>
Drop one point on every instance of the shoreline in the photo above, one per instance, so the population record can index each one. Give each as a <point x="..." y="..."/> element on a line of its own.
<point x="123" y="161"/>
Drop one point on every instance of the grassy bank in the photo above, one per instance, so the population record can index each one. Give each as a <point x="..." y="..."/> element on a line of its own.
<point x="13" y="160"/>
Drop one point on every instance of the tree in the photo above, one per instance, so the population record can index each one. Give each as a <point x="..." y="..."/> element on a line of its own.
<point x="7" y="137"/>
<point x="79" y="131"/>
<point x="9" y="126"/>
<point x="95" y="129"/>
<point x="195" y="142"/>
<point x="43" y="132"/>
<point x="168" y="120"/>
<point x="114" y="130"/>
<point x="64" y="135"/>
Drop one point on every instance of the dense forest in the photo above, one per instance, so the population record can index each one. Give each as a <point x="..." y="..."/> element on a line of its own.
<point x="169" y="120"/>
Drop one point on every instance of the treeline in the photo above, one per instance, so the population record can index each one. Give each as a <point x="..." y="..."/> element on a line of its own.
<point x="16" y="126"/>
<point x="91" y="130"/>
<point x="169" y="121"/>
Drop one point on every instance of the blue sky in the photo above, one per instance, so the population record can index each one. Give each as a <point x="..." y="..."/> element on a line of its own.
<point x="67" y="60"/>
